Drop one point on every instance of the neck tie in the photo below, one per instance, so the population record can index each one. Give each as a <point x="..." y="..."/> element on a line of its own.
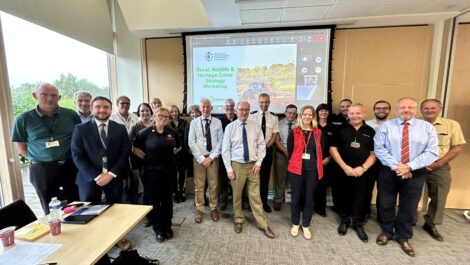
<point x="246" y="154"/>
<point x="104" y="138"/>
<point x="290" y="125"/>
<point x="263" y="125"/>
<point x="208" y="136"/>
<point x="405" y="147"/>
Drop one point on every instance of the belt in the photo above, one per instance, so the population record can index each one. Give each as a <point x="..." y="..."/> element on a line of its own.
<point x="59" y="162"/>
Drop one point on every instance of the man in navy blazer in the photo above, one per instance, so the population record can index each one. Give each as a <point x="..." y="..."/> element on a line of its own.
<point x="100" y="150"/>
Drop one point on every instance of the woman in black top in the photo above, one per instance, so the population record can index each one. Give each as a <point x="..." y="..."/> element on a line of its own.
<point x="323" y="120"/>
<point x="159" y="145"/>
<point x="179" y="125"/>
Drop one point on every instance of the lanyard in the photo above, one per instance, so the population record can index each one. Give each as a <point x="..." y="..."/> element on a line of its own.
<point x="50" y="129"/>
<point x="308" y="140"/>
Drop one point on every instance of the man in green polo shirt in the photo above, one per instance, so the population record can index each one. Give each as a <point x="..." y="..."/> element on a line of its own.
<point x="43" y="136"/>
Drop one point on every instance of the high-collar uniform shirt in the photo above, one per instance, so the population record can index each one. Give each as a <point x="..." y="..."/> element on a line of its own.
<point x="284" y="130"/>
<point x="423" y="143"/>
<point x="272" y="122"/>
<point x="232" y="146"/>
<point x="448" y="134"/>
<point x="374" y="123"/>
<point x="131" y="120"/>
<point x="197" y="138"/>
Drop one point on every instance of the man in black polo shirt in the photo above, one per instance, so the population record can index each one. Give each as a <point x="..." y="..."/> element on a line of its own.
<point x="43" y="135"/>
<point x="353" y="150"/>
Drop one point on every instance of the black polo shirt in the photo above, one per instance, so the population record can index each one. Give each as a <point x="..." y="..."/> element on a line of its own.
<point x="158" y="147"/>
<point x="345" y="135"/>
<point x="225" y="121"/>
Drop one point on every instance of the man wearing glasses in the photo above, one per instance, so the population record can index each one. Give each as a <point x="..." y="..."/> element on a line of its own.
<point x="223" y="179"/>
<point x="243" y="151"/>
<point x="123" y="116"/>
<point x="43" y="137"/>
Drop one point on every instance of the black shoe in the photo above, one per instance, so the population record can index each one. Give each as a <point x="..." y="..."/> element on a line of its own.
<point x="169" y="234"/>
<point x="267" y="209"/>
<point x="223" y="202"/>
<point x="361" y="233"/>
<point x="343" y="229"/>
<point x="182" y="197"/>
<point x="160" y="237"/>
<point x="176" y="198"/>
<point x="432" y="231"/>
<point x="277" y="206"/>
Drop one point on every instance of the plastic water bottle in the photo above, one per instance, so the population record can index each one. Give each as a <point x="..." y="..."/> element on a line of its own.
<point x="55" y="211"/>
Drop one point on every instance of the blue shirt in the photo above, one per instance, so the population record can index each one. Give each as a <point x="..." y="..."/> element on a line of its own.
<point x="423" y="143"/>
<point x="232" y="146"/>
<point x="197" y="138"/>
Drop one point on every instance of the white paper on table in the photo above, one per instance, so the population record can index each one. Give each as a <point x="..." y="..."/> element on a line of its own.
<point x="28" y="253"/>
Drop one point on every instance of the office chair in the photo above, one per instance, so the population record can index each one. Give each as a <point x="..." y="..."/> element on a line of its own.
<point x="16" y="214"/>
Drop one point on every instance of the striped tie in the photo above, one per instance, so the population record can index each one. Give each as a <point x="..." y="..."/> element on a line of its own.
<point x="405" y="147"/>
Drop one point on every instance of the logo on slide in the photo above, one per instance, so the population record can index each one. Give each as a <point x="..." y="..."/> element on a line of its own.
<point x="208" y="56"/>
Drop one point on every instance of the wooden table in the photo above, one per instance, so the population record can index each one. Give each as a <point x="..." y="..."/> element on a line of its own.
<point x="86" y="244"/>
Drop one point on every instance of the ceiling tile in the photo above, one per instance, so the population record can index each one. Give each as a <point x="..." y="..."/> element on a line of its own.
<point x="305" y="3"/>
<point x="352" y="10"/>
<point x="304" y="13"/>
<point x="261" y="16"/>
<point x="421" y="6"/>
<point x="248" y="5"/>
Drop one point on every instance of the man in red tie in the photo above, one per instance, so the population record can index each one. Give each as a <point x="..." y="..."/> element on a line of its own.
<point x="405" y="146"/>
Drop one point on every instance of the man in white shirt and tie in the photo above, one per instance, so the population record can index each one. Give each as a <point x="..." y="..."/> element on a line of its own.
<point x="205" y="141"/>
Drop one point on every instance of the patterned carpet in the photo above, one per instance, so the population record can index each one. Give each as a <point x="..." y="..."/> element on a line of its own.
<point x="217" y="243"/>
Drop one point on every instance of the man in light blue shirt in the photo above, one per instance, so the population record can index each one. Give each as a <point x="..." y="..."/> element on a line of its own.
<point x="243" y="151"/>
<point x="405" y="146"/>
<point x="205" y="141"/>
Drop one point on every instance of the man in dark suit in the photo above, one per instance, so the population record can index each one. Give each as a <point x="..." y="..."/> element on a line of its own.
<point x="100" y="150"/>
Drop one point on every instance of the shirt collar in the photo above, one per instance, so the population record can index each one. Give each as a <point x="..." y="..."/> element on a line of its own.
<point x="438" y="120"/>
<point x="57" y="111"/>
<point x="410" y="121"/>
<point x="98" y="122"/>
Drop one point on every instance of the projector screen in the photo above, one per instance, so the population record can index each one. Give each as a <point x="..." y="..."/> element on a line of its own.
<point x="292" y="66"/>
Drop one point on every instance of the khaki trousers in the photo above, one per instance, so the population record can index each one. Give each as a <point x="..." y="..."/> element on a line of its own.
<point x="244" y="176"/>
<point x="438" y="184"/>
<point x="200" y="175"/>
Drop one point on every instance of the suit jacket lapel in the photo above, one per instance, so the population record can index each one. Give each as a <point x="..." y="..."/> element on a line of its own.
<point x="96" y="134"/>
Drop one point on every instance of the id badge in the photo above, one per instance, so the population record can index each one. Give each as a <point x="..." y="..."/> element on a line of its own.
<point x="355" y="144"/>
<point x="51" y="144"/>
<point x="105" y="164"/>
<point x="306" y="156"/>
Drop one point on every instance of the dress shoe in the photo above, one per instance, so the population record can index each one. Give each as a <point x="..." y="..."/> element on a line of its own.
<point x="407" y="248"/>
<point x="182" y="197"/>
<point x="382" y="240"/>
<point x="432" y="231"/>
<point x="146" y="221"/>
<point x="160" y="237"/>
<point x="176" y="198"/>
<point x="294" y="231"/>
<point x="268" y="232"/>
<point x="124" y="244"/>
<point x="467" y="214"/>
<point x="267" y="209"/>
<point x="199" y="216"/>
<point x="307" y="234"/>
<point x="169" y="234"/>
<point x="361" y="233"/>
<point x="277" y="206"/>
<point x="321" y="213"/>
<point x="343" y="229"/>
<point x="238" y="227"/>
<point x="215" y="215"/>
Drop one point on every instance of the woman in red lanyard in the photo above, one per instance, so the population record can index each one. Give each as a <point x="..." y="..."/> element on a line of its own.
<point x="305" y="169"/>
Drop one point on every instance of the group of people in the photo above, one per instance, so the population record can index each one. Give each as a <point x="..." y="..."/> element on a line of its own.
<point x="82" y="154"/>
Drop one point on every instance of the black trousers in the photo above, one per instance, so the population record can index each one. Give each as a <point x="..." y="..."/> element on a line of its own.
<point x="158" y="183"/>
<point x="372" y="176"/>
<point x="265" y="173"/>
<point x="351" y="198"/>
<point x="336" y="171"/>
<point x="48" y="177"/>
<point x="180" y="178"/>
<point x="399" y="224"/>
<point x="320" y="193"/>
<point x="224" y="186"/>
<point x="302" y="193"/>
<point x="91" y="192"/>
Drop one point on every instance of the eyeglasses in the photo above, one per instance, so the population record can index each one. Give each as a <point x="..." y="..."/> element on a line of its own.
<point x="230" y="106"/>
<point x="162" y="116"/>
<point x="124" y="103"/>
<point x="244" y="110"/>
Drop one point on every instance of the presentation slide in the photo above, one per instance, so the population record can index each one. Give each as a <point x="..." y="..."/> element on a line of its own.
<point x="291" y="66"/>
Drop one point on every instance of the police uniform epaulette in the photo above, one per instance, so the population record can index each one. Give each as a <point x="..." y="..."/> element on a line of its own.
<point x="272" y="113"/>
<point x="253" y="112"/>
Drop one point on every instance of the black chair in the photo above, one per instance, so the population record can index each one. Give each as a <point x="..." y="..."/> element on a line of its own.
<point x="16" y="214"/>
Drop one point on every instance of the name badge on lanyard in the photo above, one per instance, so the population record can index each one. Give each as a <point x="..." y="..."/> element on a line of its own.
<point x="51" y="144"/>
<point x="355" y="144"/>
<point x="306" y="155"/>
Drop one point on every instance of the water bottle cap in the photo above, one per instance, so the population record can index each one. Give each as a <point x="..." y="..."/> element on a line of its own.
<point x="54" y="198"/>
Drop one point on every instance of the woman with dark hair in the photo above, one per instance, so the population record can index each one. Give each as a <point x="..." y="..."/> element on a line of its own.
<point x="159" y="145"/>
<point x="323" y="120"/>
<point x="304" y="151"/>
<point x="179" y="125"/>
<point x="145" y="113"/>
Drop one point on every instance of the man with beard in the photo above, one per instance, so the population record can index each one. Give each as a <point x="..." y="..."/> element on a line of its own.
<point x="100" y="150"/>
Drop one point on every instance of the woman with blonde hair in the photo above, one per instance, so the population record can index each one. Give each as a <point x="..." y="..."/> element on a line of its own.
<point x="305" y="169"/>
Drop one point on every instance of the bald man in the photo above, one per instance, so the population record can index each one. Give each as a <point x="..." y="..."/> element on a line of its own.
<point x="43" y="136"/>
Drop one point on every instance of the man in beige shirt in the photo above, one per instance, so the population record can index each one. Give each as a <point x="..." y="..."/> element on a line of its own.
<point x="438" y="173"/>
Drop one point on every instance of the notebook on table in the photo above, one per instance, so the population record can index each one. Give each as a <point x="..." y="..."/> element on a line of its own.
<point x="86" y="214"/>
